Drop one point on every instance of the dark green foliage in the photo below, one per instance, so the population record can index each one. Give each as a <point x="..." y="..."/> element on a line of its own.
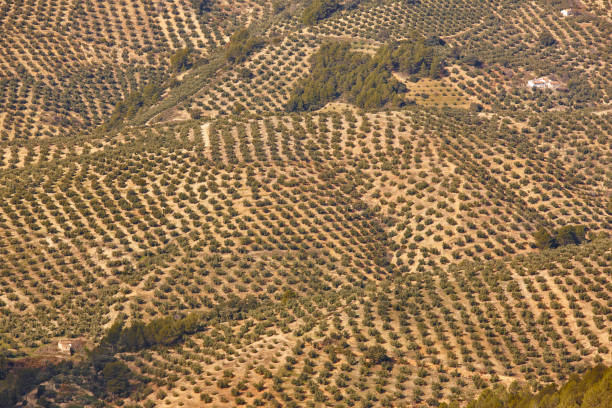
<point x="241" y="45"/>
<point x="20" y="381"/>
<point x="319" y="10"/>
<point x="168" y="330"/>
<point x="4" y="364"/>
<point x="127" y="108"/>
<point x="116" y="377"/>
<point x="201" y="6"/>
<point x="163" y="331"/>
<point x="547" y="39"/>
<point x="592" y="390"/>
<point x="413" y="57"/>
<point x="339" y="72"/>
<point x="568" y="235"/>
<point x="543" y="239"/>
<point x="181" y="60"/>
<point x="376" y="355"/>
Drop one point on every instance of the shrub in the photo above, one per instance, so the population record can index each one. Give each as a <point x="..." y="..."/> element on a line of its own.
<point x="376" y="355"/>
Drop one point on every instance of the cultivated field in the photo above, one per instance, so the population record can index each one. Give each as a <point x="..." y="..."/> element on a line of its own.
<point x="381" y="253"/>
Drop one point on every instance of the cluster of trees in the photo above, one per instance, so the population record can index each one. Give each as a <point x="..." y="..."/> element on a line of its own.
<point x="547" y="39"/>
<point x="319" y="10"/>
<point x="181" y="60"/>
<point x="568" y="235"/>
<point x="339" y="72"/>
<point x="115" y="377"/>
<point x="127" y="108"/>
<point x="168" y="330"/>
<point x="15" y="382"/>
<point x="376" y="355"/>
<point x="591" y="390"/>
<point x="241" y="45"/>
<point x="365" y="81"/>
<point x="201" y="6"/>
<point x="162" y="331"/>
<point x="418" y="57"/>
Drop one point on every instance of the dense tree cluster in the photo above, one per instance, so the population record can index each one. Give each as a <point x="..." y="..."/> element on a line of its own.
<point x="127" y="108"/>
<point x="339" y="72"/>
<point x="116" y="378"/>
<point x="568" y="235"/>
<point x="181" y="60"/>
<point x="242" y="44"/>
<point x="591" y="390"/>
<point x="169" y="330"/>
<point x="163" y="331"/>
<point x="417" y="57"/>
<point x="21" y="380"/>
<point x="201" y="6"/>
<point x="547" y="39"/>
<point x="319" y="10"/>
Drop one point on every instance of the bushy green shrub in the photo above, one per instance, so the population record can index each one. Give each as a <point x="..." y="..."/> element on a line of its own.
<point x="376" y="355"/>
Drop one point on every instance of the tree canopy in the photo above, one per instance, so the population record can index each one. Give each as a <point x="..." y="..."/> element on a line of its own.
<point x="241" y="45"/>
<point x="591" y="390"/>
<point x="567" y="235"/>
<point x="319" y="10"/>
<point x="368" y="82"/>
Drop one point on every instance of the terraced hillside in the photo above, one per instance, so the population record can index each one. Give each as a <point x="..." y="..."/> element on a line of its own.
<point x="204" y="244"/>
<point x="66" y="63"/>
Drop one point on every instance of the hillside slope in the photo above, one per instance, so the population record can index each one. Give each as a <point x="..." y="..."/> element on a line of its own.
<point x="209" y="244"/>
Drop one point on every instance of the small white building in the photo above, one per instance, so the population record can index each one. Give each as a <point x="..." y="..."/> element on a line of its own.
<point x="544" y="83"/>
<point x="65" y="346"/>
<point x="71" y="346"/>
<point x="567" y="12"/>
